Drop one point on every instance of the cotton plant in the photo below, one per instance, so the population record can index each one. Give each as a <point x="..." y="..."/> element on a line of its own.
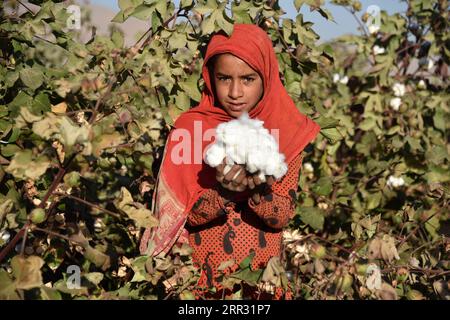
<point x="245" y="141"/>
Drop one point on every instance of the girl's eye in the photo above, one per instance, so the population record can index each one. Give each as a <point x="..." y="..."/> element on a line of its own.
<point x="248" y="79"/>
<point x="223" y="78"/>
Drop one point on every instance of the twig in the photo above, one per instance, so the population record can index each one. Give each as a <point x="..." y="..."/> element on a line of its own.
<point x="112" y="80"/>
<point x="352" y="12"/>
<point x="54" y="234"/>
<point x="116" y="215"/>
<point x="24" y="230"/>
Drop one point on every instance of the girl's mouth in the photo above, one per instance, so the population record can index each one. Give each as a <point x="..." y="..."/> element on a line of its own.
<point x="236" y="107"/>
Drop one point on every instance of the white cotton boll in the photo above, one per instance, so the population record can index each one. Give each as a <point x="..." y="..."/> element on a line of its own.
<point x="246" y="141"/>
<point x="308" y="168"/>
<point x="430" y="64"/>
<point x="344" y="80"/>
<point x="390" y="181"/>
<point x="5" y="236"/>
<point x="336" y="77"/>
<point x="255" y="161"/>
<point x="399" y="89"/>
<point x="395" y="103"/>
<point x="215" y="155"/>
<point x="378" y="50"/>
<point x="280" y="171"/>
<point x="373" y="28"/>
<point x="395" y="182"/>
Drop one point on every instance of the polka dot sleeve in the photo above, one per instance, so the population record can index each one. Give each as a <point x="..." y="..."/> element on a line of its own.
<point x="207" y="208"/>
<point x="277" y="206"/>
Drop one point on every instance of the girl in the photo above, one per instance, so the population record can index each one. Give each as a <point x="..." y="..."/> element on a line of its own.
<point x="228" y="216"/>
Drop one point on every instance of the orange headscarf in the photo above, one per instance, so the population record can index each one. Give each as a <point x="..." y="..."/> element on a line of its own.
<point x="180" y="185"/>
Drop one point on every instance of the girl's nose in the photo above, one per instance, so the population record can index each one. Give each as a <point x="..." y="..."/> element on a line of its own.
<point x="235" y="90"/>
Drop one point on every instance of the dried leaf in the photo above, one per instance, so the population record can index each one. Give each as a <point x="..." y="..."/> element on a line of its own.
<point x="60" y="108"/>
<point x="135" y="211"/>
<point x="274" y="273"/>
<point x="97" y="257"/>
<point x="383" y="248"/>
<point x="27" y="271"/>
<point x="387" y="292"/>
<point x="442" y="288"/>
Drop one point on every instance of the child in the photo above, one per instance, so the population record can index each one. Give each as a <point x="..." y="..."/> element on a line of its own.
<point x="228" y="216"/>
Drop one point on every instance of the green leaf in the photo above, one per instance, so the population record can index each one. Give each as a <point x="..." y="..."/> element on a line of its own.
<point x="143" y="12"/>
<point x="327" y="123"/>
<point x="7" y="287"/>
<point x="323" y="186"/>
<point x="191" y="88"/>
<point x="331" y="134"/>
<point x="312" y="216"/>
<point x="10" y="149"/>
<point x="70" y="134"/>
<point x="125" y="4"/>
<point x="439" y="119"/>
<point x="224" y="24"/>
<point x="186" y="3"/>
<point x="208" y="25"/>
<point x="177" y="40"/>
<point x="32" y="77"/>
<point x="374" y="200"/>
<point x="117" y="38"/>
<point x="247" y="261"/>
<point x="208" y="8"/>
<point x="23" y="165"/>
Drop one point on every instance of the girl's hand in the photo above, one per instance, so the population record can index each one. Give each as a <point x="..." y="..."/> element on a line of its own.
<point x="256" y="185"/>
<point x="234" y="180"/>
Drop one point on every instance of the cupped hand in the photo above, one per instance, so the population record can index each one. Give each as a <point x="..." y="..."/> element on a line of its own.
<point x="257" y="186"/>
<point x="235" y="179"/>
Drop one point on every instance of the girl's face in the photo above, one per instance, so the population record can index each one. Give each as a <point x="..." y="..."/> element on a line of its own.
<point x="238" y="87"/>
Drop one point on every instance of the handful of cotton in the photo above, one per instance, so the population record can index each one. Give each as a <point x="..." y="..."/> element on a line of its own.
<point x="246" y="142"/>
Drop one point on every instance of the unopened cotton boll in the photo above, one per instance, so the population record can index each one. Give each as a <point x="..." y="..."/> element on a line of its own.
<point x="395" y="103"/>
<point x="422" y="85"/>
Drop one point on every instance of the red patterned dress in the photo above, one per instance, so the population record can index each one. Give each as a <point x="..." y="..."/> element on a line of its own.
<point x="220" y="231"/>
